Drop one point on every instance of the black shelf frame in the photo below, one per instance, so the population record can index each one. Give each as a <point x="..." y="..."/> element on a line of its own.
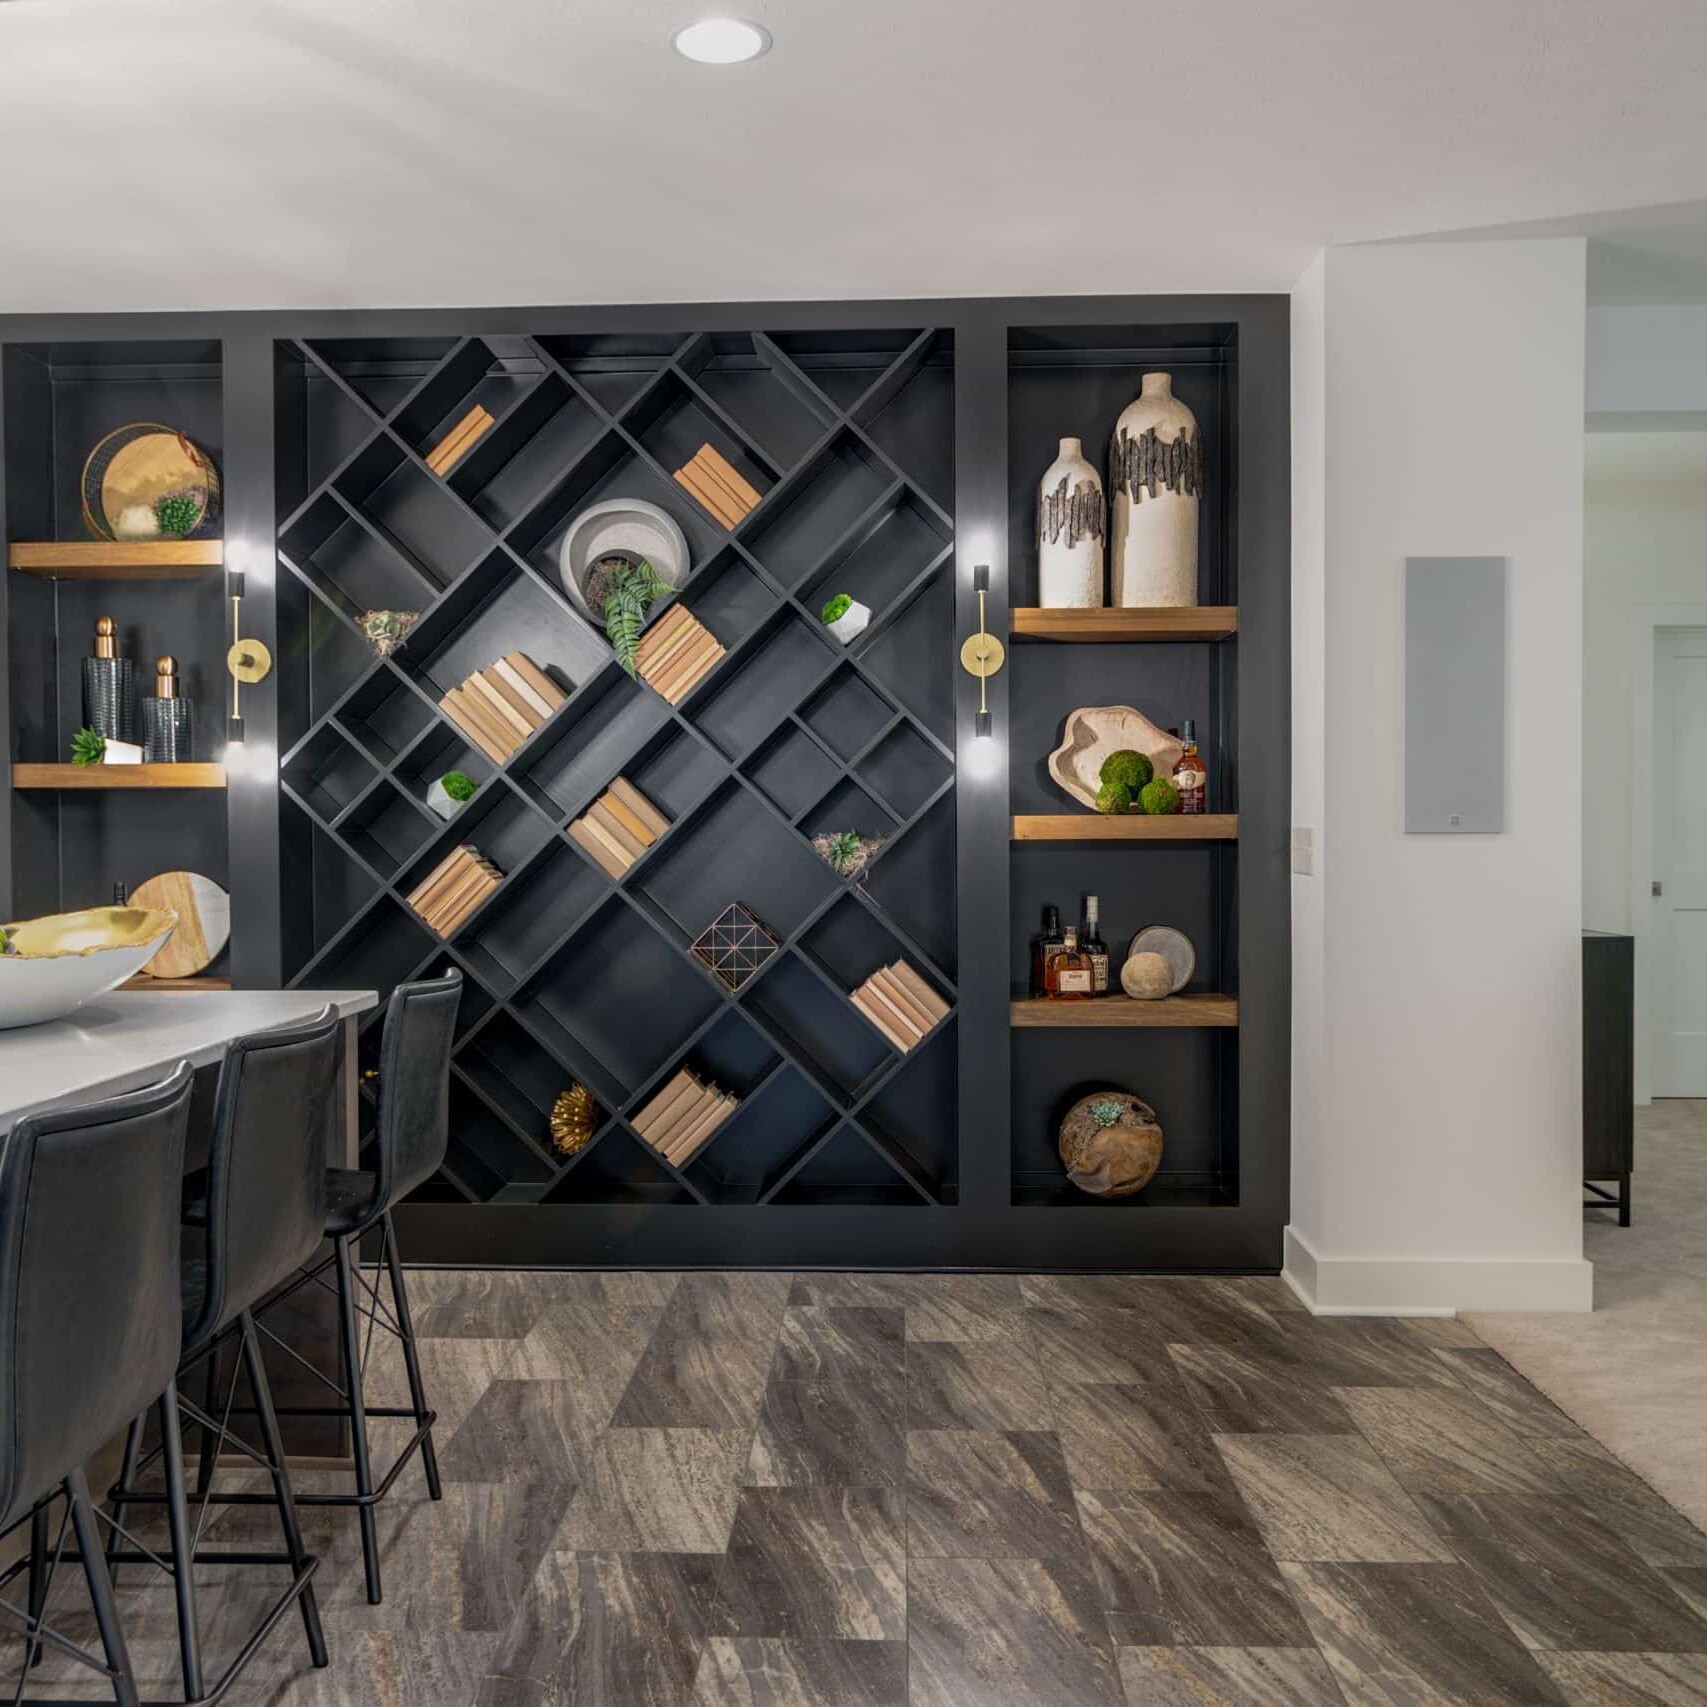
<point x="881" y="450"/>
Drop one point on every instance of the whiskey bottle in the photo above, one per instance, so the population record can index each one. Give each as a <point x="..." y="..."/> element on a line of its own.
<point x="1044" y="944"/>
<point x="1069" y="970"/>
<point x="1090" y="939"/>
<point x="1191" y="774"/>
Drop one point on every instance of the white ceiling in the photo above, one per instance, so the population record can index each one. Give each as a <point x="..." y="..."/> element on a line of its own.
<point x="189" y="153"/>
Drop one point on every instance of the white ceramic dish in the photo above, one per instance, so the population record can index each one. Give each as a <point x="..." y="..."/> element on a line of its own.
<point x="1095" y="731"/>
<point x="626" y="527"/>
<point x="57" y="963"/>
<point x="1173" y="946"/>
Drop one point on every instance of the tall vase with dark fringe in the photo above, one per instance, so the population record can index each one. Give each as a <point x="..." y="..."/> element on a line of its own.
<point x="1070" y="531"/>
<point x="108" y="686"/>
<point x="1155" y="479"/>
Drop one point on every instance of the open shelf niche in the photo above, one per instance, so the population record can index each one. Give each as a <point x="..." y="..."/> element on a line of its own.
<point x="1180" y="1054"/>
<point x="77" y="831"/>
<point x="573" y="973"/>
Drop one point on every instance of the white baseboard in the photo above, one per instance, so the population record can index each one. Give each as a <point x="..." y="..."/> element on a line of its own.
<point x="1379" y="1286"/>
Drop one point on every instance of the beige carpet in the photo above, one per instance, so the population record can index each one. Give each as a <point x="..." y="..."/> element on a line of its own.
<point x="1634" y="1373"/>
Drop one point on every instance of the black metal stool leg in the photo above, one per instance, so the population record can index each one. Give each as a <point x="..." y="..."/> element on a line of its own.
<point x="210" y="1407"/>
<point x="183" y="1544"/>
<point x="38" y="1578"/>
<point x="417" y="1392"/>
<point x="101" y="1588"/>
<point x="274" y="1444"/>
<point x="358" y="1416"/>
<point x="117" y="1502"/>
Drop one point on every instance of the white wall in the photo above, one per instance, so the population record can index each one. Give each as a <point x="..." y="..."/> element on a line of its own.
<point x="1440" y="1167"/>
<point x="1644" y="545"/>
<point x="1647" y="359"/>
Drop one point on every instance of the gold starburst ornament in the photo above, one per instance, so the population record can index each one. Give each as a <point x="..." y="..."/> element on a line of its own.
<point x="572" y="1120"/>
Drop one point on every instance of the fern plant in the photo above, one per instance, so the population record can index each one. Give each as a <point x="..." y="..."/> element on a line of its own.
<point x="88" y="747"/>
<point x="630" y="592"/>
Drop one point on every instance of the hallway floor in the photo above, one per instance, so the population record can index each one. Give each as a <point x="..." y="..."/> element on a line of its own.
<point x="1634" y="1373"/>
<point x="827" y="1490"/>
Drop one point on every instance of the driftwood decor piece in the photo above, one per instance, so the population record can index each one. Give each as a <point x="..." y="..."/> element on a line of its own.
<point x="1092" y="733"/>
<point x="1111" y="1144"/>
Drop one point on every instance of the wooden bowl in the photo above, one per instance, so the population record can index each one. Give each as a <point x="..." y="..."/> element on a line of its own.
<point x="1095" y="731"/>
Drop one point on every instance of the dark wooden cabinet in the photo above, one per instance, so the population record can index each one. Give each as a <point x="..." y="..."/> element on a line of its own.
<point x="1609" y="1069"/>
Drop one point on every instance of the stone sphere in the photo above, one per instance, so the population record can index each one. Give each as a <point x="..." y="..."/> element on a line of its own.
<point x="1144" y="977"/>
<point x="1110" y="1157"/>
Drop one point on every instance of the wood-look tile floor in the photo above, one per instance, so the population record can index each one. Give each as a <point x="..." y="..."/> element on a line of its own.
<point x="838" y="1490"/>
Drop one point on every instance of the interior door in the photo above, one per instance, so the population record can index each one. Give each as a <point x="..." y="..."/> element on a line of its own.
<point x="1679" y="936"/>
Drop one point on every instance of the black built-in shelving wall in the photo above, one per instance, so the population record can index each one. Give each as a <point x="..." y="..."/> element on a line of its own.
<point x="897" y="446"/>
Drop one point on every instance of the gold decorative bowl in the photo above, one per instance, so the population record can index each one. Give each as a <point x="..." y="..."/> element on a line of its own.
<point x="57" y="963"/>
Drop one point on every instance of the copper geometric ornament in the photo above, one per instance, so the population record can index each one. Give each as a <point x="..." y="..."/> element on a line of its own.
<point x="734" y="945"/>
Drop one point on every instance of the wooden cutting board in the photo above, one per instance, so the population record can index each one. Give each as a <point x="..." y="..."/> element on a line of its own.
<point x="204" y="922"/>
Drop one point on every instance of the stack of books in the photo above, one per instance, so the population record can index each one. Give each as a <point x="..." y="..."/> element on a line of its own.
<point x="618" y="827"/>
<point x="454" y="888"/>
<point x="717" y="485"/>
<point x="460" y="440"/>
<point x="499" y="707"/>
<point x="675" y="652"/>
<point x="900" y="1004"/>
<point x="679" y="1119"/>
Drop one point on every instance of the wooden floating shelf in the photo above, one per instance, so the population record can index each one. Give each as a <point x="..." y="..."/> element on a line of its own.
<point x="1126" y="827"/>
<point x="118" y="776"/>
<point x="142" y="983"/>
<point x="1171" y="1012"/>
<point x="117" y="560"/>
<point x="1110" y="623"/>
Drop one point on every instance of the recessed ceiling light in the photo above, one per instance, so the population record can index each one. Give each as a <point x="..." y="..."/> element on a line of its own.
<point x="721" y="41"/>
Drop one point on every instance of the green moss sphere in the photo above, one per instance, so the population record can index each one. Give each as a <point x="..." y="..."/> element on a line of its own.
<point x="1159" y="797"/>
<point x="1126" y="766"/>
<point x="1114" y="797"/>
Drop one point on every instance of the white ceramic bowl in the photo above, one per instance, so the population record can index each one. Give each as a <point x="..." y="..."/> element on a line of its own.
<point x="57" y="963"/>
<point x="626" y="527"/>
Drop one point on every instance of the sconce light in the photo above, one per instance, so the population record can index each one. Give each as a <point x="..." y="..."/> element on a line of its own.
<point x="982" y="655"/>
<point x="248" y="660"/>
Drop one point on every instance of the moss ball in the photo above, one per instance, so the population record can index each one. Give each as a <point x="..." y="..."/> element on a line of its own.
<point x="1159" y="797"/>
<point x="1114" y="797"/>
<point x="1126" y="766"/>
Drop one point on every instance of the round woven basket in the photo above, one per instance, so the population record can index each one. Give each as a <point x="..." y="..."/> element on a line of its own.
<point x="134" y="467"/>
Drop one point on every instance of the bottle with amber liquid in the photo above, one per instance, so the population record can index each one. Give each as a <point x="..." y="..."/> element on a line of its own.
<point x="1069" y="971"/>
<point x="1045" y="943"/>
<point x="1191" y="774"/>
<point x="1090" y="936"/>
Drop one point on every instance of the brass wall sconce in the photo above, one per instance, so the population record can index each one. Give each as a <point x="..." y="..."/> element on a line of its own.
<point x="982" y="655"/>
<point x="249" y="661"/>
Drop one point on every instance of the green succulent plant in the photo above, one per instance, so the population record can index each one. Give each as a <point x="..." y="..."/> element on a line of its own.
<point x="1114" y="797"/>
<point x="1159" y="797"/>
<point x="631" y="590"/>
<point x="457" y="786"/>
<point x="177" y="514"/>
<point x="1105" y="1111"/>
<point x="88" y="747"/>
<point x="1127" y="766"/>
<point x="836" y="608"/>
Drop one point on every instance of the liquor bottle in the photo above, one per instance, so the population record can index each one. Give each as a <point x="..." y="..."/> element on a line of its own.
<point x="166" y="718"/>
<point x="1069" y="971"/>
<point x="1191" y="774"/>
<point x="1044" y="944"/>
<point x="107" y="683"/>
<point x="1090" y="939"/>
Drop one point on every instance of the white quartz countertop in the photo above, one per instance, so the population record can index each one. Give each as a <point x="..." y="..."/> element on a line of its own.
<point x="133" y="1037"/>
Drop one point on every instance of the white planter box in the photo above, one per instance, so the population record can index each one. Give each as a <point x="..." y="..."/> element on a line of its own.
<point x="851" y="624"/>
<point x="121" y="753"/>
<point x="442" y="803"/>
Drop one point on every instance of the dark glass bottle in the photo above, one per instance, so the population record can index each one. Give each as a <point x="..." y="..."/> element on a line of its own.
<point x="108" y="686"/>
<point x="1043" y="945"/>
<point x="1090" y="941"/>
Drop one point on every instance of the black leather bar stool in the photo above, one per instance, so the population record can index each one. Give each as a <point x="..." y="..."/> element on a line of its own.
<point x="262" y="1203"/>
<point x="89" y="1323"/>
<point x="412" y="1130"/>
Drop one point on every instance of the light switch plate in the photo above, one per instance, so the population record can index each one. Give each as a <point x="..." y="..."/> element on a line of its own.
<point x="1303" y="851"/>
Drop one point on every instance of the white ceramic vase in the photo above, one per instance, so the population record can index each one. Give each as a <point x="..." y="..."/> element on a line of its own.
<point x="439" y="801"/>
<point x="1155" y="476"/>
<point x="1070" y="514"/>
<point x="851" y="624"/>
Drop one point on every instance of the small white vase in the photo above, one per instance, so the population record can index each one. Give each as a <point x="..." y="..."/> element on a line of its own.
<point x="851" y="624"/>
<point x="1155" y="476"/>
<point x="442" y="803"/>
<point x="1070" y="513"/>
